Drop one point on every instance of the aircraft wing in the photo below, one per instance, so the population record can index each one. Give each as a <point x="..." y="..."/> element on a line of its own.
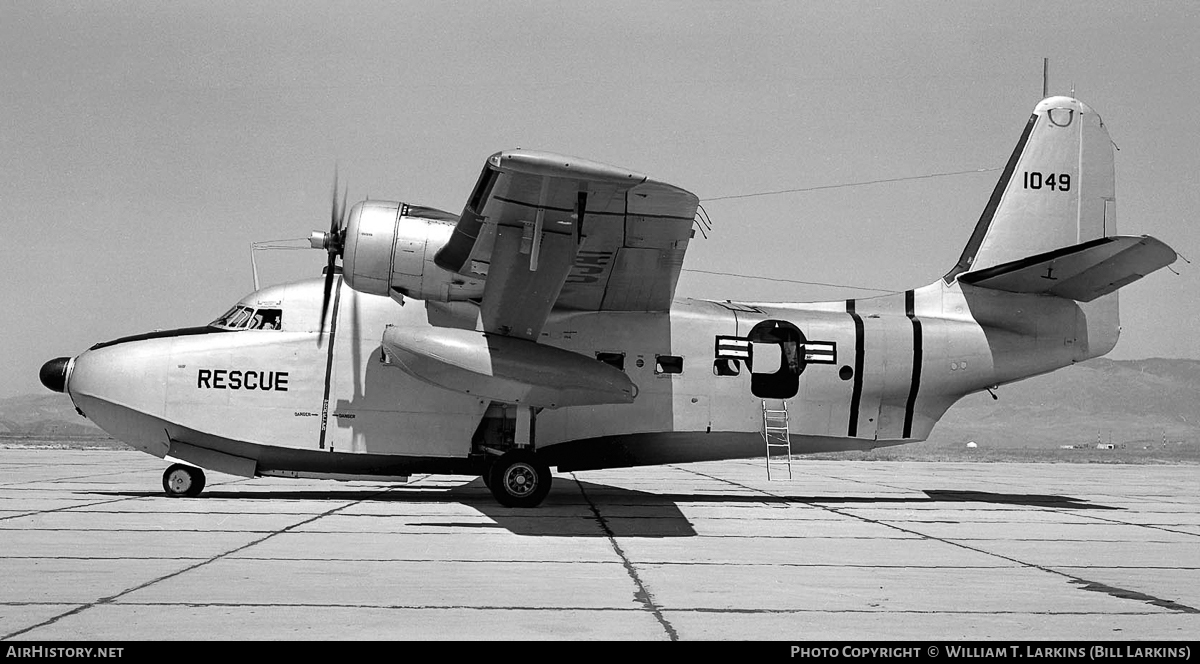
<point x="547" y="230"/>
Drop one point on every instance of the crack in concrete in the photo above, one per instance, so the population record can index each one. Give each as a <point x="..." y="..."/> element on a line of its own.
<point x="642" y="595"/>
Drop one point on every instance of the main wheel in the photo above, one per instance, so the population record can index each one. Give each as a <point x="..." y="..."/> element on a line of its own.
<point x="519" y="479"/>
<point x="182" y="480"/>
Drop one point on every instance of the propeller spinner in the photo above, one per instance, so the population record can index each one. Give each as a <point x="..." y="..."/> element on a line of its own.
<point x="333" y="242"/>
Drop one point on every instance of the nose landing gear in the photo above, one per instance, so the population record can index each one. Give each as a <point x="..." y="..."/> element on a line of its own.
<point x="182" y="480"/>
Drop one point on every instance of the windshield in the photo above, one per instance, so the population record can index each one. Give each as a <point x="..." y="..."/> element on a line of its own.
<point x="242" y="317"/>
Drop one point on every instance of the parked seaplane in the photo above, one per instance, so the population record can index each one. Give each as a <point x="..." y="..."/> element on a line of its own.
<point x="539" y="329"/>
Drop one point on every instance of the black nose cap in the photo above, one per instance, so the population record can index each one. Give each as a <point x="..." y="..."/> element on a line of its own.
<point x="54" y="374"/>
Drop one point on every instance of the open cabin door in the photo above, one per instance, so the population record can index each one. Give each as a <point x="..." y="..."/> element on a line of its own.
<point x="775" y="359"/>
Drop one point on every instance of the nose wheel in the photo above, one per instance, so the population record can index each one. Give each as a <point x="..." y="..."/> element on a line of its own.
<point x="519" y="479"/>
<point x="182" y="480"/>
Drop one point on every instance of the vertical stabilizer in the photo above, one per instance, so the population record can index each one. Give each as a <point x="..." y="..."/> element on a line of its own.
<point x="1057" y="189"/>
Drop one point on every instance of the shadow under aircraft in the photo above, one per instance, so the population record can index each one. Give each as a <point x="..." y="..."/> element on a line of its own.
<point x="591" y="509"/>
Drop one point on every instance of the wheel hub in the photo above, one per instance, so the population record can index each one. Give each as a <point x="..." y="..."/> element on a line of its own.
<point x="180" y="481"/>
<point x="521" y="480"/>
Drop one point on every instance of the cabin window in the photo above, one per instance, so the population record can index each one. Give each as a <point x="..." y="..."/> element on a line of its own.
<point x="612" y="359"/>
<point x="727" y="367"/>
<point x="668" y="364"/>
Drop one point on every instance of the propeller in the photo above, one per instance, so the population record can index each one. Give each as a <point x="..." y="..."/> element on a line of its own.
<point x="333" y="243"/>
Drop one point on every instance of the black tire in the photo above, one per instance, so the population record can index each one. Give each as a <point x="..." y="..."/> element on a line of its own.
<point x="519" y="479"/>
<point x="183" y="480"/>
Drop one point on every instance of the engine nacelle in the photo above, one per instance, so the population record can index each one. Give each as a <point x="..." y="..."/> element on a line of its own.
<point x="389" y="249"/>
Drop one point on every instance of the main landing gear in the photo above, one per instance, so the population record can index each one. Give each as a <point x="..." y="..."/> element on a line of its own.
<point x="183" y="480"/>
<point x="504" y="446"/>
<point x="518" y="478"/>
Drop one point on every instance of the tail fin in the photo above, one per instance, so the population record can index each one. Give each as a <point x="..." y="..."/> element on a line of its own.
<point x="1050" y="225"/>
<point x="1056" y="191"/>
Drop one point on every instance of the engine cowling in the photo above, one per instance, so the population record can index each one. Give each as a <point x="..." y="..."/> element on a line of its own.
<point x="389" y="249"/>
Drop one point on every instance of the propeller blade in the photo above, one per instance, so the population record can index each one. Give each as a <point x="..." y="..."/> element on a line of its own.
<point x="328" y="290"/>
<point x="333" y="245"/>
<point x="334" y="215"/>
<point x="342" y="212"/>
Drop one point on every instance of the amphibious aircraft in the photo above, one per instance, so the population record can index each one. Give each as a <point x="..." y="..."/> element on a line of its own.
<point x="539" y="329"/>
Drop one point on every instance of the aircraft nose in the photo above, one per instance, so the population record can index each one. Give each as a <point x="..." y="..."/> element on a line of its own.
<point x="54" y="373"/>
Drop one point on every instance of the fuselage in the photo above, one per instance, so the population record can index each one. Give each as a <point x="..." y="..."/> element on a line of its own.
<point x="855" y="374"/>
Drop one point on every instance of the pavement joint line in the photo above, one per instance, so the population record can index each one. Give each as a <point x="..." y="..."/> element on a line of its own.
<point x="421" y="561"/>
<point x="643" y="595"/>
<point x="520" y="561"/>
<point x="113" y="598"/>
<point x="419" y="532"/>
<point x="1093" y="586"/>
<point x="62" y="509"/>
<point x="93" y="504"/>
<point x="1148" y="526"/>
<point x="69" y="478"/>
<point x="613" y="609"/>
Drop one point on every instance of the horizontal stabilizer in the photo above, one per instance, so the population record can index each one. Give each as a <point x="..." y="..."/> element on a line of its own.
<point x="1081" y="272"/>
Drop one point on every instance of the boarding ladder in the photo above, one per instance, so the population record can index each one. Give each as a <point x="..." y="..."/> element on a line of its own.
<point x="779" y="445"/>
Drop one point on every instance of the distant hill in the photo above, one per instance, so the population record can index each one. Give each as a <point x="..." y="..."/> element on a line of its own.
<point x="44" y="416"/>
<point x="1130" y="402"/>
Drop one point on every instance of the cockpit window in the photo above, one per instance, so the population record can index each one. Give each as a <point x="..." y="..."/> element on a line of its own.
<point x="228" y="316"/>
<point x="239" y="319"/>
<point x="266" y="319"/>
<point x="245" y="318"/>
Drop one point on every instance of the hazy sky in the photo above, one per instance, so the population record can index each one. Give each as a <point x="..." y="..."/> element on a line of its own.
<point x="144" y="146"/>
